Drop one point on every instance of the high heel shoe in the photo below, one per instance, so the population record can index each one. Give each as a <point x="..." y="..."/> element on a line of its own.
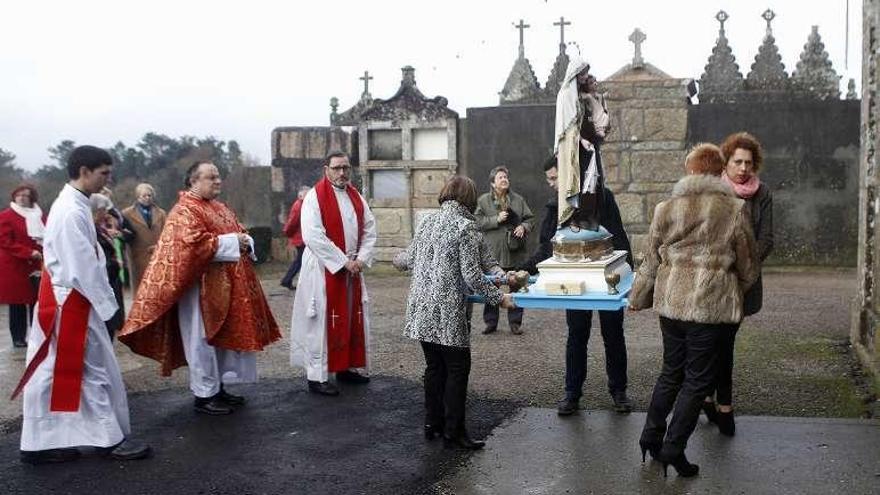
<point x="726" y="425"/>
<point x="710" y="411"/>
<point x="652" y="447"/>
<point x="432" y="432"/>
<point x="684" y="468"/>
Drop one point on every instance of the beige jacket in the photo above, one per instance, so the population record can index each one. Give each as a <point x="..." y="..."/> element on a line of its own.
<point x="701" y="255"/>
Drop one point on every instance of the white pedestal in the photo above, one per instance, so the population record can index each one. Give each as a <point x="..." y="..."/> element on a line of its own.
<point x="591" y="273"/>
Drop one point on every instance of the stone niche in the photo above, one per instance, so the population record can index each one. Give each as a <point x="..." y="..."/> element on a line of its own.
<point x="410" y="149"/>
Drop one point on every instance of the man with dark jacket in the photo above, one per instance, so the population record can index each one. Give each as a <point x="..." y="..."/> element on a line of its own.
<point x="580" y="321"/>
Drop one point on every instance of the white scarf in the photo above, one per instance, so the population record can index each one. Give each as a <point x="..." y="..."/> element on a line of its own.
<point x="33" y="218"/>
<point x="567" y="102"/>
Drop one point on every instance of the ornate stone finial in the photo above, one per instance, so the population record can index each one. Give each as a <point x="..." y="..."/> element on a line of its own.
<point x="722" y="18"/>
<point x="366" y="79"/>
<point x="768" y="74"/>
<point x="522" y="26"/>
<point x="334" y="107"/>
<point x="562" y="23"/>
<point x="814" y="76"/>
<point x="768" y="16"/>
<point x="851" y="90"/>
<point x="409" y="76"/>
<point x="722" y="80"/>
<point x="638" y="37"/>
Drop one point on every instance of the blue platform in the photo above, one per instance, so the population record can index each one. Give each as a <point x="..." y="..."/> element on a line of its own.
<point x="601" y="301"/>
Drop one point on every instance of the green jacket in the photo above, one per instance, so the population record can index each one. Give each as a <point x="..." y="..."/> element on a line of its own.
<point x="496" y="234"/>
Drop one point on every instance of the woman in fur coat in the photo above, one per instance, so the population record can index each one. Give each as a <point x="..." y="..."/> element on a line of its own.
<point x="699" y="261"/>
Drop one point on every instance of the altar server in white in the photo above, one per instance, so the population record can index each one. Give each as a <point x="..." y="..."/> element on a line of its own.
<point x="73" y="390"/>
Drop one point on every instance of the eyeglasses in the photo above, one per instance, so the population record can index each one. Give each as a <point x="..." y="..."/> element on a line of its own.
<point x="344" y="168"/>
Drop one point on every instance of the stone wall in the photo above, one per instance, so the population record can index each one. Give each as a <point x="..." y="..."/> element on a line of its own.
<point x="811" y="165"/>
<point x="644" y="154"/>
<point x="866" y="307"/>
<point x="297" y="154"/>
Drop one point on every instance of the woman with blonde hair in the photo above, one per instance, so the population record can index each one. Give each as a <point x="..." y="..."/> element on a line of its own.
<point x="146" y="220"/>
<point x="699" y="260"/>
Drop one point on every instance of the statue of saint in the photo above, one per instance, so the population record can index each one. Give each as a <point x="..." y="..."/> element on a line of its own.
<point x="582" y="123"/>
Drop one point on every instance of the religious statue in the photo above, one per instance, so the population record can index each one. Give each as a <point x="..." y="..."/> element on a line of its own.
<point x="582" y="122"/>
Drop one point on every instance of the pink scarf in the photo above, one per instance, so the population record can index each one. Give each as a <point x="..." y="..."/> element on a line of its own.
<point x="745" y="190"/>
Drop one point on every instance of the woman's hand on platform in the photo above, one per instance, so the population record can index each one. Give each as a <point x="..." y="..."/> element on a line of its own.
<point x="519" y="231"/>
<point x="507" y="301"/>
<point x="502" y="216"/>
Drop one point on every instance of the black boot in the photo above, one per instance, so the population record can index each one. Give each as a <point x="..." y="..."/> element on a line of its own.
<point x="567" y="407"/>
<point x="622" y="403"/>
<point x="462" y="440"/>
<point x="211" y="406"/>
<point x="49" y="456"/>
<point x="130" y="450"/>
<point x="650" y="447"/>
<point x="684" y="468"/>
<point x="229" y="399"/>
<point x="323" y="388"/>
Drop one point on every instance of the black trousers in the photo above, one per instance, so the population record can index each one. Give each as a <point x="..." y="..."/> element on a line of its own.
<point x="688" y="375"/>
<point x="295" y="266"/>
<point x="20" y="316"/>
<point x="579" y="325"/>
<point x="724" y="377"/>
<point x="447" y="370"/>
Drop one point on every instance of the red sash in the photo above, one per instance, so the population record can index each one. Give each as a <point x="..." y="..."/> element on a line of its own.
<point x="71" y="347"/>
<point x="345" y="326"/>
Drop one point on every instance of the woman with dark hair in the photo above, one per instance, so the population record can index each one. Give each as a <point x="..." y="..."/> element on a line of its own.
<point x="699" y="259"/>
<point x="743" y="158"/>
<point x="505" y="219"/>
<point x="445" y="259"/>
<point x="22" y="226"/>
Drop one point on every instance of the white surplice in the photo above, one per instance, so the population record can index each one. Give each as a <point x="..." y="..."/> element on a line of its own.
<point x="74" y="260"/>
<point x="308" y="328"/>
<point x="209" y="365"/>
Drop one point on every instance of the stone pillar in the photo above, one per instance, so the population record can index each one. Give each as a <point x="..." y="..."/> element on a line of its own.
<point x="866" y="311"/>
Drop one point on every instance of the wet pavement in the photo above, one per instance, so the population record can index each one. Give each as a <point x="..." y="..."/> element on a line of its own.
<point x="792" y="360"/>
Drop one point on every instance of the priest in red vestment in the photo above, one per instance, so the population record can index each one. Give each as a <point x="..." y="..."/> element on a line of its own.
<point x="200" y="302"/>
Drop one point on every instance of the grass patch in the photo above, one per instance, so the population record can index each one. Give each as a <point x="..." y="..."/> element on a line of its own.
<point x="783" y="374"/>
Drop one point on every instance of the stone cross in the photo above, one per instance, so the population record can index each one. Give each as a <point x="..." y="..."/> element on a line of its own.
<point x="562" y="23"/>
<point x="334" y="104"/>
<point x="522" y="26"/>
<point x="722" y="18"/>
<point x="638" y="37"/>
<point x="366" y="79"/>
<point x="768" y="16"/>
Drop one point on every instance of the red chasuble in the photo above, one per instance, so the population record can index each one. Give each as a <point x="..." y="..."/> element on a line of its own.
<point x="234" y="308"/>
<point x="346" y="344"/>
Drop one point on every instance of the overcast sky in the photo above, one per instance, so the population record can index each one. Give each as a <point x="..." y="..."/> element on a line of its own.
<point x="103" y="71"/>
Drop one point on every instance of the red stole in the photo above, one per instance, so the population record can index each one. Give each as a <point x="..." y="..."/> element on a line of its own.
<point x="346" y="345"/>
<point x="70" y="350"/>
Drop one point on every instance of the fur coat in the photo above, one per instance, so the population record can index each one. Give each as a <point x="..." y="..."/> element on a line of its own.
<point x="701" y="255"/>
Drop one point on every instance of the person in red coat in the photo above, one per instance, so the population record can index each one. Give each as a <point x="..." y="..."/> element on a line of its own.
<point x="295" y="239"/>
<point x="21" y="254"/>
